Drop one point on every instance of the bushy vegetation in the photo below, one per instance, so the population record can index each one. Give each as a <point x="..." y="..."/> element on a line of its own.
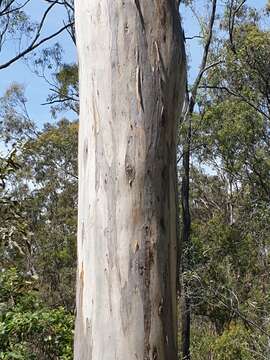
<point x="29" y="329"/>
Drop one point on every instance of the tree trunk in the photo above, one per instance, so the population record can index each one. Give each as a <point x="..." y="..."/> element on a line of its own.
<point x="132" y="82"/>
<point x="186" y="227"/>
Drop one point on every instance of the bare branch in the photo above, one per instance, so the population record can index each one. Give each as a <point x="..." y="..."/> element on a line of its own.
<point x="36" y="41"/>
<point x="232" y="15"/>
<point x="33" y="46"/>
<point x="238" y="95"/>
<point x="8" y="9"/>
<point x="63" y="2"/>
<point x="193" y="37"/>
<point x="204" y="58"/>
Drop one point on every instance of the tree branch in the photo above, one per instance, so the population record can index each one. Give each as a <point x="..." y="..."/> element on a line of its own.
<point x="204" y="58"/>
<point x="240" y="96"/>
<point x="33" y="46"/>
<point x="35" y="41"/>
<point x="232" y="15"/>
<point x="8" y="9"/>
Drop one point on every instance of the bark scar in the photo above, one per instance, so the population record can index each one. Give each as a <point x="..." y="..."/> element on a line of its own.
<point x="130" y="172"/>
<point x="158" y="52"/>
<point x="161" y="66"/>
<point x="139" y="88"/>
<point x="138" y="6"/>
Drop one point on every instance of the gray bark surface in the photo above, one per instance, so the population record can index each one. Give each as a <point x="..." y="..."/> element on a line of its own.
<point x="132" y="83"/>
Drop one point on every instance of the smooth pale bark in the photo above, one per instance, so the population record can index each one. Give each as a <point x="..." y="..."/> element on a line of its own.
<point x="132" y="81"/>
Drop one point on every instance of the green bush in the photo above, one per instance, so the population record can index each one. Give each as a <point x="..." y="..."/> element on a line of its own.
<point x="233" y="344"/>
<point x="28" y="329"/>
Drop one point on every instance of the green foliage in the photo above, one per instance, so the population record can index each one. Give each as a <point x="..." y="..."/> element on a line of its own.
<point x="15" y="124"/>
<point x="235" y="343"/>
<point x="41" y="238"/>
<point x="228" y="275"/>
<point x="66" y="95"/>
<point x="29" y="329"/>
<point x="38" y="198"/>
<point x="68" y="79"/>
<point x="203" y="339"/>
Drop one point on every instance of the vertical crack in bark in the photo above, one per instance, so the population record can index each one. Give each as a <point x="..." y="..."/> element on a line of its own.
<point x="161" y="66"/>
<point x="155" y="353"/>
<point x="148" y="260"/>
<point x="139" y="88"/>
<point x="85" y="153"/>
<point x="82" y="233"/>
<point x="81" y="287"/>
<point x="83" y="335"/>
<point x="96" y="124"/>
<point x="158" y="52"/>
<point x="129" y="161"/>
<point x="138" y="6"/>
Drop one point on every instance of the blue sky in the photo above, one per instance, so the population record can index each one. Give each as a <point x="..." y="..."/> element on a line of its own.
<point x="191" y="28"/>
<point x="37" y="89"/>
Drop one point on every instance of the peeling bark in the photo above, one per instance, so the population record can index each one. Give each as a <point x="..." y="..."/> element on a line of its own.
<point x="132" y="83"/>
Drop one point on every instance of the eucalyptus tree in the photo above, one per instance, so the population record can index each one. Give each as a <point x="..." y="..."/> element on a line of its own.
<point x="230" y="193"/>
<point x="132" y="84"/>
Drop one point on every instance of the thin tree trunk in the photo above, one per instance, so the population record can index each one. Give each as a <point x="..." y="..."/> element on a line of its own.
<point x="186" y="219"/>
<point x="132" y="83"/>
<point x="185" y="190"/>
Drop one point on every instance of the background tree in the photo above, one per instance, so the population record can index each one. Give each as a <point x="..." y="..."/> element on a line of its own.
<point x="38" y="199"/>
<point x="226" y="281"/>
<point x="38" y="234"/>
